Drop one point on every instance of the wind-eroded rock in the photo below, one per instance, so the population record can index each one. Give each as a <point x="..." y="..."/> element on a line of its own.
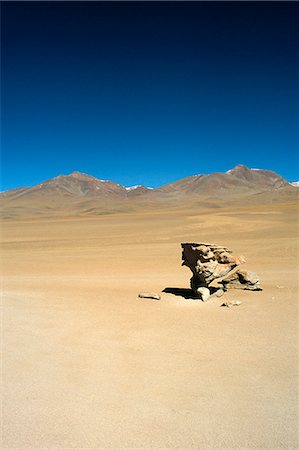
<point x="214" y="268"/>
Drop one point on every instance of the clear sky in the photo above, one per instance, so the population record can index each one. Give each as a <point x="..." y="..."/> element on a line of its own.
<point x="148" y="92"/>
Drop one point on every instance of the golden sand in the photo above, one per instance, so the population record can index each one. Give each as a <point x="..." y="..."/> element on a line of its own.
<point x="88" y="365"/>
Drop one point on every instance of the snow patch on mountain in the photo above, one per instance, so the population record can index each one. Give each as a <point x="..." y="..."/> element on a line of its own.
<point x="131" y="188"/>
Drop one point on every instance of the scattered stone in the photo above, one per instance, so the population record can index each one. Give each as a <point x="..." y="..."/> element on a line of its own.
<point x="215" y="269"/>
<point x="230" y="303"/>
<point x="204" y="293"/>
<point x="149" y="295"/>
<point x="219" y="293"/>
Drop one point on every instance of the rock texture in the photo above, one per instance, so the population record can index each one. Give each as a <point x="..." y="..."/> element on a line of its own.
<point x="215" y="269"/>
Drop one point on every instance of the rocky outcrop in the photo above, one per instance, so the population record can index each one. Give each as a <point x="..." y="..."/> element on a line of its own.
<point x="215" y="270"/>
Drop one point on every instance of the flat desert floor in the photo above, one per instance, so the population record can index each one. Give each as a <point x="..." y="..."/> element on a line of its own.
<point x="88" y="365"/>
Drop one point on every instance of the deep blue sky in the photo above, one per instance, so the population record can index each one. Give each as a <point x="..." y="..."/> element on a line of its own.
<point x="148" y="92"/>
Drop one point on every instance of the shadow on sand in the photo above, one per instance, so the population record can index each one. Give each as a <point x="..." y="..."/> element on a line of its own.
<point x="186" y="293"/>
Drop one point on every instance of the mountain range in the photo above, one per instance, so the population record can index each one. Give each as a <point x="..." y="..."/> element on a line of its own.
<point x="79" y="193"/>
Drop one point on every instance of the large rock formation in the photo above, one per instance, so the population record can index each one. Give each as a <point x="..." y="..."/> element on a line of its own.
<point x="215" y="270"/>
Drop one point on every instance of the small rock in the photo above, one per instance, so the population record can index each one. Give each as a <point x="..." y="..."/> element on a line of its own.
<point x="219" y="293"/>
<point x="230" y="303"/>
<point x="204" y="293"/>
<point x="249" y="277"/>
<point x="149" y="295"/>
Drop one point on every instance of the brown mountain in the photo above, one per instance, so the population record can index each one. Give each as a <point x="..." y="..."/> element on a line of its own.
<point x="79" y="193"/>
<point x="76" y="193"/>
<point x="239" y="180"/>
<point x="74" y="185"/>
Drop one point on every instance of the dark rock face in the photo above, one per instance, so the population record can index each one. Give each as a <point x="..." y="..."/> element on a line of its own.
<point x="215" y="268"/>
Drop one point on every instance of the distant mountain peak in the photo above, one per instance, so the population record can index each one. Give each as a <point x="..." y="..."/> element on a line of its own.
<point x="238" y="168"/>
<point x="81" y="176"/>
<point x="241" y="166"/>
<point x="139" y="189"/>
<point x="77" y="174"/>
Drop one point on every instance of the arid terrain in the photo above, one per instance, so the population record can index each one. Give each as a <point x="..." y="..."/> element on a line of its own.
<point x="86" y="364"/>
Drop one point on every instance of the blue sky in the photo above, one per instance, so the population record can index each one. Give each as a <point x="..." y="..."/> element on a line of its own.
<point x="148" y="92"/>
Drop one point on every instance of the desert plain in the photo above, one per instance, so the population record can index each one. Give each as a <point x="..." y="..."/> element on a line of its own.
<point x="89" y="365"/>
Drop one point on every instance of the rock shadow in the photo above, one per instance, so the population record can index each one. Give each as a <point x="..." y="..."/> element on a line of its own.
<point x="182" y="292"/>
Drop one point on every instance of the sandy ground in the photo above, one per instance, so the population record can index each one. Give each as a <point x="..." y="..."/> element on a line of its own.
<point x="87" y="365"/>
